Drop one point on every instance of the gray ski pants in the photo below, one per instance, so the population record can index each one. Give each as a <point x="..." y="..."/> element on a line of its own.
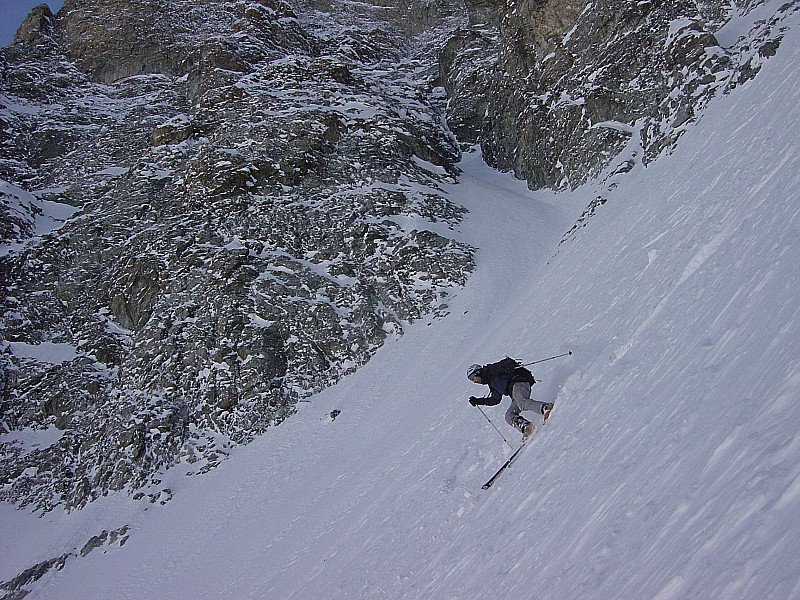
<point x="521" y="400"/>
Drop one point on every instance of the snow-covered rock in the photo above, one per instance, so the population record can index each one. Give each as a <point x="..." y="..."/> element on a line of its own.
<point x="260" y="206"/>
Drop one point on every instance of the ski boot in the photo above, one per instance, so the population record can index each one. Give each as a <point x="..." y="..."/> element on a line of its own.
<point x="527" y="431"/>
<point x="546" y="408"/>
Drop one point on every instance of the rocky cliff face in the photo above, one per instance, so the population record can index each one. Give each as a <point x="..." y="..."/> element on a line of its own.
<point x="565" y="86"/>
<point x="258" y="207"/>
<point x="249" y="195"/>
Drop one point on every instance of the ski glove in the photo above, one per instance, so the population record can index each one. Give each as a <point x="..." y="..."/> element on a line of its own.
<point x="474" y="401"/>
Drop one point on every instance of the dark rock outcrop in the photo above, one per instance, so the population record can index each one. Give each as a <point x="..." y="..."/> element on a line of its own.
<point x="572" y="83"/>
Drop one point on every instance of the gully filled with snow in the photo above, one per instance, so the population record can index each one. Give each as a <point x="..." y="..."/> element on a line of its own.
<point x="670" y="467"/>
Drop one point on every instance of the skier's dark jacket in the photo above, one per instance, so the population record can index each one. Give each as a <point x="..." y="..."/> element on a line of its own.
<point x="501" y="377"/>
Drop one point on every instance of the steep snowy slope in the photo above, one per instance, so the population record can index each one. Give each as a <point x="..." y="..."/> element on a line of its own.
<point x="669" y="469"/>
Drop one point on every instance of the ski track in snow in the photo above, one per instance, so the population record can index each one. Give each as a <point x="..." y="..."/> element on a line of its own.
<point x="669" y="469"/>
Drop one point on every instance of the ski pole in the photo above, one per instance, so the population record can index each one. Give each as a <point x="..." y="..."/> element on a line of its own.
<point x="495" y="427"/>
<point x="536" y="362"/>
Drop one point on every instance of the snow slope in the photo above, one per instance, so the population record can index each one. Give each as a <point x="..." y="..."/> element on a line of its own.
<point x="669" y="469"/>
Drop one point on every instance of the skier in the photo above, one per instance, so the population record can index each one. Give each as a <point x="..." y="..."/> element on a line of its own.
<point x="509" y="378"/>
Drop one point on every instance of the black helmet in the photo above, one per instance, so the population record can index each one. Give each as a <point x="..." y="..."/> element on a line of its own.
<point x="473" y="370"/>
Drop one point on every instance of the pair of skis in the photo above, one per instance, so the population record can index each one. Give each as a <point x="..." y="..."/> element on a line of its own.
<point x="507" y="464"/>
<point x="511" y="458"/>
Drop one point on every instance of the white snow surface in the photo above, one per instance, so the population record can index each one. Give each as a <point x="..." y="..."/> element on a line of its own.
<point x="46" y="352"/>
<point x="670" y="467"/>
<point x="43" y="216"/>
